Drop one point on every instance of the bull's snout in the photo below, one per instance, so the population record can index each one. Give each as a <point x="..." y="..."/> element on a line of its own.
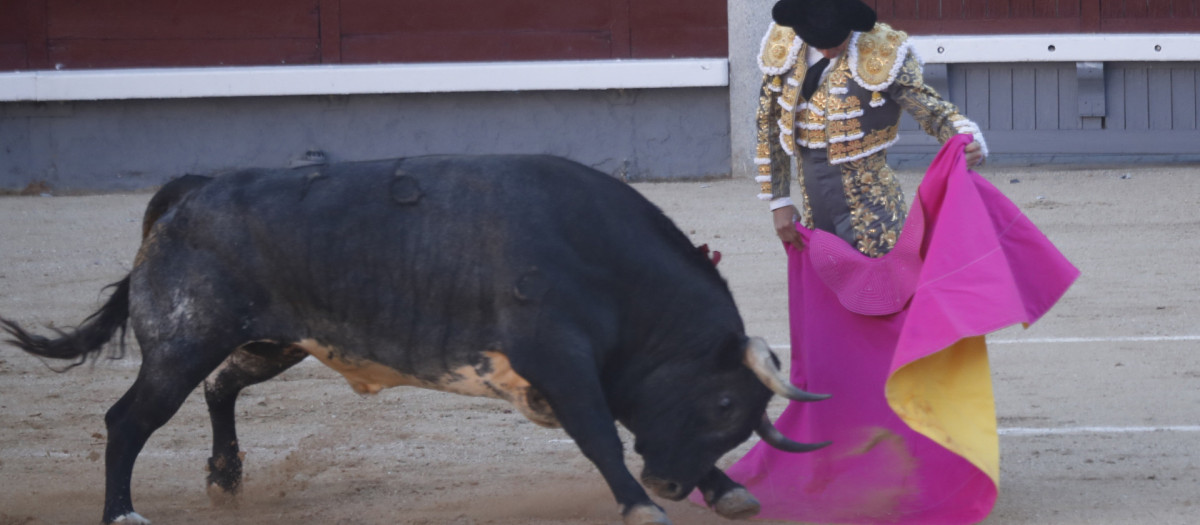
<point x="665" y="489"/>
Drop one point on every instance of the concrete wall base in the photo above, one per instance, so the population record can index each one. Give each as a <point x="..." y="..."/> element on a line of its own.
<point x="120" y="145"/>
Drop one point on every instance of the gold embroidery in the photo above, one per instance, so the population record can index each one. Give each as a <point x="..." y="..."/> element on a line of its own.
<point x="806" y="207"/>
<point x="764" y="129"/>
<point x="790" y="93"/>
<point x="776" y="84"/>
<point x="843" y="106"/>
<point x="870" y="143"/>
<point x="843" y="128"/>
<point x="777" y="48"/>
<point x="790" y="98"/>
<point x="878" y="51"/>
<point x="877" y="204"/>
<point x="787" y="121"/>
<point x="935" y="115"/>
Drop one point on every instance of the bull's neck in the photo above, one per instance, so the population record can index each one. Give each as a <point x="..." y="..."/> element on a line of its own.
<point x="690" y="309"/>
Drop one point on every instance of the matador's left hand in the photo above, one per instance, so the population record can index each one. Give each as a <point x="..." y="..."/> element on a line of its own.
<point x="974" y="154"/>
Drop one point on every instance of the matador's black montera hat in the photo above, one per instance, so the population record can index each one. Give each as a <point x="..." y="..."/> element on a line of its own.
<point x="824" y="24"/>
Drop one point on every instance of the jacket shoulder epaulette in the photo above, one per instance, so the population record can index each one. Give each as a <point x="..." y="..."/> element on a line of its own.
<point x="780" y="47"/>
<point x="877" y="56"/>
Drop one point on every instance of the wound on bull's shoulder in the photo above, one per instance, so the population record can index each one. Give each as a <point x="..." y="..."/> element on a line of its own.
<point x="531" y="285"/>
<point x="308" y="182"/>
<point x="405" y="189"/>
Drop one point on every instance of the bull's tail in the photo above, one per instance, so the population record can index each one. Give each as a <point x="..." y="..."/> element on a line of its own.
<point x="84" y="341"/>
<point x="90" y="337"/>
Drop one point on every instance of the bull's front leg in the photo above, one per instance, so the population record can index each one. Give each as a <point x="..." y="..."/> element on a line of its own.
<point x="600" y="443"/>
<point x="574" y="392"/>
<point x="727" y="497"/>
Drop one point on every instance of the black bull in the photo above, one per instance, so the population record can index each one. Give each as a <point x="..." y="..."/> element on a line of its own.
<point x="525" y="278"/>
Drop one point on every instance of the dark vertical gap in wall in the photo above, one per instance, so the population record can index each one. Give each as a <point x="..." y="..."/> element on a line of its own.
<point x="1089" y="15"/>
<point x="622" y="33"/>
<point x="330" y="31"/>
<point x="37" y="41"/>
<point x="1183" y="98"/>
<point x="1114" y="97"/>
<point x="1196" y="93"/>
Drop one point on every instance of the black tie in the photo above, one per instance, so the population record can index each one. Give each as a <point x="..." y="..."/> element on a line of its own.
<point x="813" y="78"/>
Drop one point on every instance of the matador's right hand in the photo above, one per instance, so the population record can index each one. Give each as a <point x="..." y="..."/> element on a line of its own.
<point x="785" y="226"/>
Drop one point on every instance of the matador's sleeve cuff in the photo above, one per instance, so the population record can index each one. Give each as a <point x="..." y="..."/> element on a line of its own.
<point x="967" y="126"/>
<point x="780" y="203"/>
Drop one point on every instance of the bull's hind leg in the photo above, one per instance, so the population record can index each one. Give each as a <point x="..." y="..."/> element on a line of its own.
<point x="169" y="372"/>
<point x="252" y="363"/>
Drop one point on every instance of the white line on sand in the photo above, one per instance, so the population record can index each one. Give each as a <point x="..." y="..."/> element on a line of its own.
<point x="1020" y="431"/>
<point x="1062" y="340"/>
<point x="1069" y="340"/>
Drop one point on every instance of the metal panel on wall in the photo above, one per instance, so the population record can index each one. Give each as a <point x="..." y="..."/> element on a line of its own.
<point x="1152" y="96"/>
<point x="1032" y="112"/>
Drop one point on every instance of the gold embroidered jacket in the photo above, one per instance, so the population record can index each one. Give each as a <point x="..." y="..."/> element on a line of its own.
<point x="854" y="115"/>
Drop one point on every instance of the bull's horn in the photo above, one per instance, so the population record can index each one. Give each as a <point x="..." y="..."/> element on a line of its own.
<point x="759" y="359"/>
<point x="775" y="438"/>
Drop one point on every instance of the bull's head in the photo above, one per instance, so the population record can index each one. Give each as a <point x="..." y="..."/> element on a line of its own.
<point x="690" y="414"/>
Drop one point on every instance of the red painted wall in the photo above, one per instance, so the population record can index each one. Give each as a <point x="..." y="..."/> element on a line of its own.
<point x="40" y="34"/>
<point x="71" y="34"/>
<point x="22" y="34"/>
<point x="1039" y="16"/>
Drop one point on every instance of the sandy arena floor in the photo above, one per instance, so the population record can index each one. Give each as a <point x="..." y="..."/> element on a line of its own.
<point x="1098" y="404"/>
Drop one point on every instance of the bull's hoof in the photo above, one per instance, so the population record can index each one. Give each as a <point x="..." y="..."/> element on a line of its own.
<point x="132" y="518"/>
<point x="219" y="496"/>
<point x="224" y="479"/>
<point x="737" y="504"/>
<point x="645" y="515"/>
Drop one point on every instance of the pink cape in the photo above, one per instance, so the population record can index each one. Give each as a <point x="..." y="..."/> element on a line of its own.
<point x="898" y="342"/>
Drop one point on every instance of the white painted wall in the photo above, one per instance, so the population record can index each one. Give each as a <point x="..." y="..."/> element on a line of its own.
<point x="204" y="82"/>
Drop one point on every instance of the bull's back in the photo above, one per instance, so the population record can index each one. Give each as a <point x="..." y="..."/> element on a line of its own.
<point x="447" y="217"/>
<point x="437" y="202"/>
